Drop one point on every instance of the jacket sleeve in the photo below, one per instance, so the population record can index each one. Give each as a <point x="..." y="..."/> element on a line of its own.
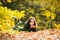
<point x="26" y="28"/>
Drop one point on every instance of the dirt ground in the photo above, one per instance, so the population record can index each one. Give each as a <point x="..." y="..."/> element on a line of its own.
<point x="50" y="34"/>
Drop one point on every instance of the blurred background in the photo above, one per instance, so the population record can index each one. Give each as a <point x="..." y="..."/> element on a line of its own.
<point x="14" y="13"/>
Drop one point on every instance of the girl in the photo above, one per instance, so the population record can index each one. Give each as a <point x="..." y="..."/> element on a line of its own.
<point x="30" y="25"/>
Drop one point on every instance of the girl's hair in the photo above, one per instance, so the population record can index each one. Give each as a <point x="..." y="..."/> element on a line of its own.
<point x="28" y="21"/>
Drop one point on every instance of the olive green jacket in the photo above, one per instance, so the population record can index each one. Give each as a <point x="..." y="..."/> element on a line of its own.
<point x="27" y="28"/>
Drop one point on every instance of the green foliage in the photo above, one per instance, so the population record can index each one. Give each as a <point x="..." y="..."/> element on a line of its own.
<point x="46" y="12"/>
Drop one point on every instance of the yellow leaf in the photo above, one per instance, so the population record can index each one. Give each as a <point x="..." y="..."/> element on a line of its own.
<point x="9" y="1"/>
<point x="47" y="14"/>
<point x="53" y="15"/>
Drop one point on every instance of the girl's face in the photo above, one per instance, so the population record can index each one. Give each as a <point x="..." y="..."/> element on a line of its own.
<point x="31" y="22"/>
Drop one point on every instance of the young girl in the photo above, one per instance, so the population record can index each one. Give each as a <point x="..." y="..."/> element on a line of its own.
<point x="30" y="25"/>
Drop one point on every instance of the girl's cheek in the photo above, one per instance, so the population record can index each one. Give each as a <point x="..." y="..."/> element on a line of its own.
<point x="31" y="23"/>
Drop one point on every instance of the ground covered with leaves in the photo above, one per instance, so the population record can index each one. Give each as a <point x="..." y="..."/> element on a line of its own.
<point x="50" y="34"/>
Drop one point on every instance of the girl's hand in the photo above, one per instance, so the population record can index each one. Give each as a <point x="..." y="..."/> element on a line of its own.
<point x="32" y="26"/>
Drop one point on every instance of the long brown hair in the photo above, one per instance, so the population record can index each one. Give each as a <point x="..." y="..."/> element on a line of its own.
<point x="28" y="21"/>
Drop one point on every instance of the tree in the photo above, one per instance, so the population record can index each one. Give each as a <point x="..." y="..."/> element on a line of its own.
<point x="35" y="8"/>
